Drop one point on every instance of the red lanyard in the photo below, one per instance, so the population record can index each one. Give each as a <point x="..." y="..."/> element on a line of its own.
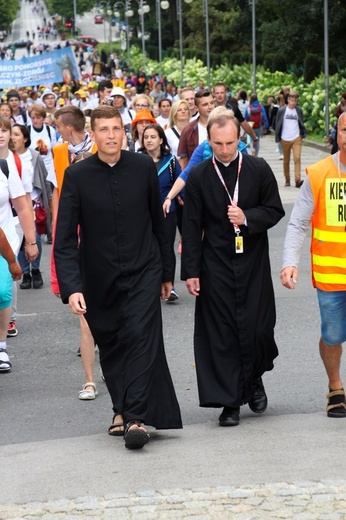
<point x="234" y="201"/>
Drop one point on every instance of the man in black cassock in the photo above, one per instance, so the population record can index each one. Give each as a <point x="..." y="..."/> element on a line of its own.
<point x="116" y="274"/>
<point x="231" y="200"/>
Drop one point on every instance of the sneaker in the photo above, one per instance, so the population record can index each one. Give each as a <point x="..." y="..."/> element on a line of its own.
<point x="79" y="352"/>
<point x="26" y="282"/>
<point x="37" y="281"/>
<point x="173" y="296"/>
<point x="12" y="330"/>
<point x="281" y="157"/>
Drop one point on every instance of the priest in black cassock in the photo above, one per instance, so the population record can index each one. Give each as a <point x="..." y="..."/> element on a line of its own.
<point x="116" y="273"/>
<point x="231" y="200"/>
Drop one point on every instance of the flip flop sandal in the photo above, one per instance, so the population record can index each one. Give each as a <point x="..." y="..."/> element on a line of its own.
<point x="88" y="394"/>
<point x="135" y="438"/>
<point x="5" y="364"/>
<point x="336" y="406"/>
<point x="116" y="433"/>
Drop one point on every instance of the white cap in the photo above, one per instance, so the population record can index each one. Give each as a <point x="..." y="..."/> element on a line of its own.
<point x="117" y="91"/>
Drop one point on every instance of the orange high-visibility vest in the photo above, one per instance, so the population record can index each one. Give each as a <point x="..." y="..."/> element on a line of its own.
<point x="328" y="242"/>
<point x="62" y="161"/>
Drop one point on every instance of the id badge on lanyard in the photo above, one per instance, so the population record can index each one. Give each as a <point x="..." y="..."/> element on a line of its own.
<point x="238" y="241"/>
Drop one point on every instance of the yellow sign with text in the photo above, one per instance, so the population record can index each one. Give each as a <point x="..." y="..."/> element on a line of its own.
<point x="336" y="202"/>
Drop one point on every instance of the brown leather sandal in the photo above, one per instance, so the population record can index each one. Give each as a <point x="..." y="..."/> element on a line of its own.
<point x="120" y="425"/>
<point x="336" y="406"/>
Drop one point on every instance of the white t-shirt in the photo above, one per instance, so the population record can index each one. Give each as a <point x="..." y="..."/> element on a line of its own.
<point x="10" y="188"/>
<point x="290" y="126"/>
<point x="26" y="158"/>
<point x="202" y="133"/>
<point x="41" y="142"/>
<point x="20" y="119"/>
<point x="173" y="140"/>
<point x="127" y="115"/>
<point x="242" y="105"/>
<point x="163" y="122"/>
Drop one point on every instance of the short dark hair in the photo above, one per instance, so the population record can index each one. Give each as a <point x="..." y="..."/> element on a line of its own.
<point x="105" y="83"/>
<point x="164" y="99"/>
<point x="201" y="94"/>
<point x="25" y="132"/>
<point x="103" y="112"/>
<point x="71" y="116"/>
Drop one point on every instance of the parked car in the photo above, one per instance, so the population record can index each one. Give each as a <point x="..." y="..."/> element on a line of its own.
<point x="87" y="41"/>
<point x="19" y="43"/>
<point x="98" y="18"/>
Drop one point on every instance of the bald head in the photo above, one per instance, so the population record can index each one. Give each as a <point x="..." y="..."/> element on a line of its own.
<point x="342" y="137"/>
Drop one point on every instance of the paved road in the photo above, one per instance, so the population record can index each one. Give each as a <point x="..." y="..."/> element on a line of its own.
<point x="287" y="464"/>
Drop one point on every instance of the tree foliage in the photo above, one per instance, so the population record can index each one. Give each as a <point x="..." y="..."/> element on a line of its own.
<point x="8" y="12"/>
<point x="291" y="29"/>
<point x="65" y="7"/>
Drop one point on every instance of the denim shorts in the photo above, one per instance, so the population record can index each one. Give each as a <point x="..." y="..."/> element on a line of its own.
<point x="5" y="284"/>
<point x="333" y="316"/>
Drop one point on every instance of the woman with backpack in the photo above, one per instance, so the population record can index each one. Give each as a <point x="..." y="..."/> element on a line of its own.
<point x="168" y="170"/>
<point x="12" y="192"/>
<point x="256" y="114"/>
<point x="41" y="194"/>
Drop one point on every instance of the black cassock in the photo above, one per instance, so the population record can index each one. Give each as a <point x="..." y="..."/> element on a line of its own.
<point x="235" y="311"/>
<point x="119" y="266"/>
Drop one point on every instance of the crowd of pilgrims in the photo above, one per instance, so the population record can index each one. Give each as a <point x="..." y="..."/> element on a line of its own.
<point x="154" y="114"/>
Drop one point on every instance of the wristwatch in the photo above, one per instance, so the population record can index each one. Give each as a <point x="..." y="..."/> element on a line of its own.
<point x="256" y="139"/>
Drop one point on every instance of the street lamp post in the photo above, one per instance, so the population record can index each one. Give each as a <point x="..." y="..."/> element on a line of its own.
<point x="164" y="4"/>
<point x="180" y="20"/>
<point x="74" y="15"/>
<point x="253" y="3"/>
<point x="127" y="13"/>
<point x="110" y="17"/>
<point x="104" y="8"/>
<point x="206" y="15"/>
<point x="143" y="9"/>
<point x="326" y="65"/>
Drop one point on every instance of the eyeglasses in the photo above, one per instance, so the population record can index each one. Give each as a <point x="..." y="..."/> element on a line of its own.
<point x="137" y="105"/>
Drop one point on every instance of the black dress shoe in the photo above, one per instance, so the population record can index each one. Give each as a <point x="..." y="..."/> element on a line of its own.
<point x="259" y="401"/>
<point x="299" y="183"/>
<point x="229" y="416"/>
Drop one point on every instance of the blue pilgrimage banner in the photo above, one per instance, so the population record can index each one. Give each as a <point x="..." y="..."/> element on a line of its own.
<point x="50" y="67"/>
